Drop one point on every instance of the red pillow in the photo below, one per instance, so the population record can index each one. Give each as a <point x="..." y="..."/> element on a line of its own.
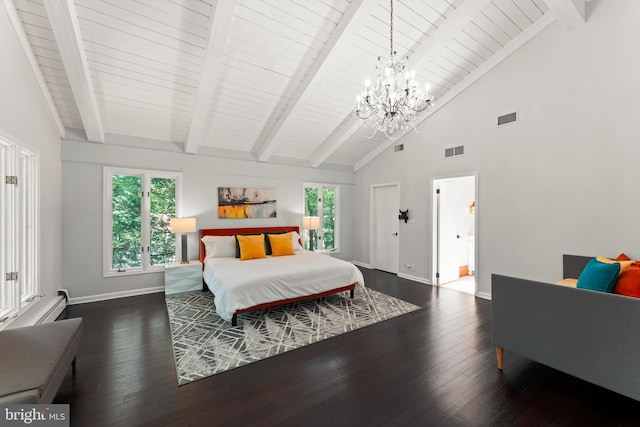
<point x="629" y="282"/>
<point x="623" y="257"/>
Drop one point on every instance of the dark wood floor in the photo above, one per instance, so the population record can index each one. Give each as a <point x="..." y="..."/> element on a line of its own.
<point x="435" y="366"/>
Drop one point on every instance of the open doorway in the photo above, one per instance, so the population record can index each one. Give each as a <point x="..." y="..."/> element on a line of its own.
<point x="454" y="233"/>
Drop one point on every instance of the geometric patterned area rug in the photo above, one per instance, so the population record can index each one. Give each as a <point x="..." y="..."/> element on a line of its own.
<point x="204" y="344"/>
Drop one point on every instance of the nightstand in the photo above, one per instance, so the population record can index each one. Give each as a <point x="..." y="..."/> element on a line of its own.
<point x="182" y="277"/>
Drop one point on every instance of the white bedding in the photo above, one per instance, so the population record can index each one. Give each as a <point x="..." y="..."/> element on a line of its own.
<point x="239" y="284"/>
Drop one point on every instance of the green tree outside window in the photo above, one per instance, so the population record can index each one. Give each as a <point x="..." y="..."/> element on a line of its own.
<point x="142" y="206"/>
<point x="321" y="200"/>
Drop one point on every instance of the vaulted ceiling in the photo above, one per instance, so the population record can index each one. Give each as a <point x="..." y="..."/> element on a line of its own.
<point x="269" y="80"/>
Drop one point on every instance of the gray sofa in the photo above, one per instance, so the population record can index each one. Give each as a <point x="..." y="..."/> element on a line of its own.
<point x="35" y="359"/>
<point x="591" y="335"/>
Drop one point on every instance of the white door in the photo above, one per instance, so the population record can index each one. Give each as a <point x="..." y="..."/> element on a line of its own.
<point x="448" y="269"/>
<point x="385" y="225"/>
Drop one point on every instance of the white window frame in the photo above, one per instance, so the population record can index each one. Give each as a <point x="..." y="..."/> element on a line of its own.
<point x="20" y="234"/>
<point x="336" y="224"/>
<point x="145" y="234"/>
<point x="29" y="229"/>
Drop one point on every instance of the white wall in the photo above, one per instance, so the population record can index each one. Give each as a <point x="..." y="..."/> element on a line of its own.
<point x="562" y="180"/>
<point x="82" y="169"/>
<point x="25" y="120"/>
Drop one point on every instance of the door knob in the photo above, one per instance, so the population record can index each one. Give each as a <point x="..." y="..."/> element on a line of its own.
<point x="395" y="234"/>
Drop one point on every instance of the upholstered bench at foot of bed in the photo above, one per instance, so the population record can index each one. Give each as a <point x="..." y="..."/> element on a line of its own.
<point x="35" y="359"/>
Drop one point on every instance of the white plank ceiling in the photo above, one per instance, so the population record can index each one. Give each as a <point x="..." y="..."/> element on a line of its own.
<point x="272" y="80"/>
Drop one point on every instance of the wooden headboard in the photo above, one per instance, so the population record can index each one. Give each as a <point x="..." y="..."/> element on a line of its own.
<point x="232" y="231"/>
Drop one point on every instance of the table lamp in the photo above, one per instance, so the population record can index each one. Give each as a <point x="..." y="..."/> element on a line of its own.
<point x="311" y="223"/>
<point x="183" y="226"/>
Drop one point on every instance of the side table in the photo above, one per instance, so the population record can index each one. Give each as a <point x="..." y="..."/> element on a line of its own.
<point x="182" y="277"/>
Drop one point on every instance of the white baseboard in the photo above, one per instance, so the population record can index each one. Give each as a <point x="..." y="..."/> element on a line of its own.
<point x="484" y="295"/>
<point x="115" y="295"/>
<point x="362" y="264"/>
<point x="414" y="278"/>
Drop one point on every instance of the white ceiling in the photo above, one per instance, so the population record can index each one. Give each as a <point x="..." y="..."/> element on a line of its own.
<point x="270" y="80"/>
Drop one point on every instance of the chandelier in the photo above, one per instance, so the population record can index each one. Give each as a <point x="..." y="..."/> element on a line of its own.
<point x="396" y="99"/>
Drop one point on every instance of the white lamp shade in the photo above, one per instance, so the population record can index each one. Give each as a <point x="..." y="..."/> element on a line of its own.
<point x="310" y="222"/>
<point x="183" y="225"/>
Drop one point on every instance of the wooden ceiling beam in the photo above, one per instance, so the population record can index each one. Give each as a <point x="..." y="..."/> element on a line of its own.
<point x="219" y="26"/>
<point x="428" y="46"/>
<point x="18" y="28"/>
<point x="353" y="18"/>
<point x="570" y="12"/>
<point x="66" y="30"/>
<point x="333" y="142"/>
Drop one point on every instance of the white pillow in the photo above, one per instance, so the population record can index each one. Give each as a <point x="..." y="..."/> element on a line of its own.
<point x="219" y="246"/>
<point x="296" y="241"/>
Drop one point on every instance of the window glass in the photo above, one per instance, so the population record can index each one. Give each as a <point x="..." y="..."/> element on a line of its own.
<point x="126" y="221"/>
<point x="28" y="226"/>
<point x="310" y="201"/>
<point x="162" y="209"/>
<point x="328" y="218"/>
<point x="322" y="200"/>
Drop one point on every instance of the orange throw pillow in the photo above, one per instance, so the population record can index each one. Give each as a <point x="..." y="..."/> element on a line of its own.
<point x="623" y="257"/>
<point x="629" y="282"/>
<point x="281" y="244"/>
<point x="251" y="247"/>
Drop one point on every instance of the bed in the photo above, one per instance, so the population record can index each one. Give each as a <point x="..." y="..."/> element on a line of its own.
<point x="590" y="335"/>
<point x="243" y="286"/>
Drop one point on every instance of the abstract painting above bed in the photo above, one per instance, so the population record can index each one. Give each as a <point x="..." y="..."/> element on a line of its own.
<point x="240" y="202"/>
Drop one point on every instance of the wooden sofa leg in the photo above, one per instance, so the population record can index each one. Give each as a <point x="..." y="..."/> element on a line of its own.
<point x="73" y="366"/>
<point x="352" y="293"/>
<point x="234" y="320"/>
<point x="499" y="355"/>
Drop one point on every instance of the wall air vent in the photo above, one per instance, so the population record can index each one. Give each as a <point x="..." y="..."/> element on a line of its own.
<point x="399" y="147"/>
<point x="454" y="151"/>
<point x="507" y="119"/>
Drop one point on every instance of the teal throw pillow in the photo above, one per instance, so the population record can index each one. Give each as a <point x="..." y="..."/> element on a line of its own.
<point x="599" y="276"/>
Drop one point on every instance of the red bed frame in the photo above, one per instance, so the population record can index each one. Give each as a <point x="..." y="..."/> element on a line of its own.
<point x="231" y="232"/>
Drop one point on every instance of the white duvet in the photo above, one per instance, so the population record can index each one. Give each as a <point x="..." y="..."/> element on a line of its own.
<point x="239" y="284"/>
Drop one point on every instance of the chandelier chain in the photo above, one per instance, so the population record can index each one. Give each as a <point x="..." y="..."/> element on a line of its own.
<point x="391" y="31"/>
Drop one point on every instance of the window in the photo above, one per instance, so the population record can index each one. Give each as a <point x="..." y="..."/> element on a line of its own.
<point x="138" y="208"/>
<point x="18" y="228"/>
<point x="323" y="200"/>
